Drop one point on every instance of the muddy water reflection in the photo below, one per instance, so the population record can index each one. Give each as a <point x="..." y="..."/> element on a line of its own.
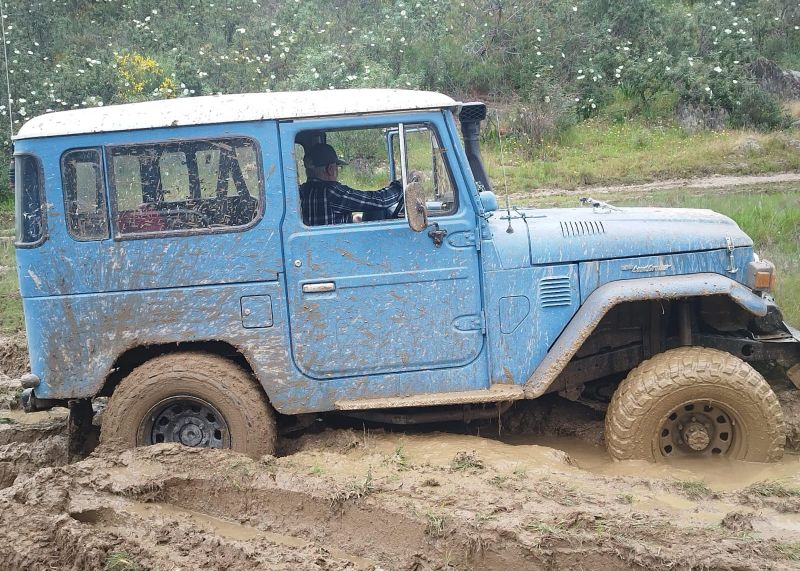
<point x="532" y="452"/>
<point x="721" y="474"/>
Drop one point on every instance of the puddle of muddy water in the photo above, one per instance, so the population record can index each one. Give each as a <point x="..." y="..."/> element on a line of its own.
<point x="720" y="474"/>
<point x="21" y="417"/>
<point x="536" y="452"/>
<point x="235" y="531"/>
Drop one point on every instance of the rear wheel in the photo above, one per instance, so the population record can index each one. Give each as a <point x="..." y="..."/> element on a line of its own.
<point x="195" y="399"/>
<point x="694" y="401"/>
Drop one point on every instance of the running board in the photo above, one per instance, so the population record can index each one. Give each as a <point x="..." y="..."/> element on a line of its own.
<point x="496" y="393"/>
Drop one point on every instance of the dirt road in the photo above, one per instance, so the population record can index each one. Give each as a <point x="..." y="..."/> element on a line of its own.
<point x="710" y="182"/>
<point x="542" y="496"/>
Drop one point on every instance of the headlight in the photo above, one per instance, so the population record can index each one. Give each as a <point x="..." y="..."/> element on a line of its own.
<point x="761" y="275"/>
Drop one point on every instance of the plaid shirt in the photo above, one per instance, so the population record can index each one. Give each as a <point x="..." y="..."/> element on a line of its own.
<point x="330" y="202"/>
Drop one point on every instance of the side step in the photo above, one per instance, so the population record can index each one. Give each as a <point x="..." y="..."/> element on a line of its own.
<point x="496" y="393"/>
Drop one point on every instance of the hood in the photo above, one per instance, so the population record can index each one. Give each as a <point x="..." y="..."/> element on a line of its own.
<point x="563" y="235"/>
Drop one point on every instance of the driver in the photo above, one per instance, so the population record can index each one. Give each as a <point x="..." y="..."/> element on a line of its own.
<point x="324" y="200"/>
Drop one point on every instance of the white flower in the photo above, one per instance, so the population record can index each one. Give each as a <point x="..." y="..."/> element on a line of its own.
<point x="649" y="60"/>
<point x="727" y="30"/>
<point x="276" y="32"/>
<point x="574" y="8"/>
<point x="718" y="69"/>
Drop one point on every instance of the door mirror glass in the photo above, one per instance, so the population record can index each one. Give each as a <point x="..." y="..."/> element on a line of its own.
<point x="416" y="213"/>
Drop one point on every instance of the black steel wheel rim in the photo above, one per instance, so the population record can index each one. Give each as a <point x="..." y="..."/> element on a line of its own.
<point x="697" y="428"/>
<point x="186" y="420"/>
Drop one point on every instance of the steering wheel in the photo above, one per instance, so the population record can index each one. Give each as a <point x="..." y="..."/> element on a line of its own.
<point x="400" y="208"/>
<point x="174" y="222"/>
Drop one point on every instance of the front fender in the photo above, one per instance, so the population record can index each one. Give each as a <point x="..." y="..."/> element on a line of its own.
<point x="607" y="296"/>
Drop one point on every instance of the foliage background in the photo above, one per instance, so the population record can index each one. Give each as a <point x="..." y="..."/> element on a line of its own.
<point x="571" y="56"/>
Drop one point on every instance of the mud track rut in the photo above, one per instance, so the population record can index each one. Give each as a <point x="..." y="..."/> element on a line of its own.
<point x="352" y="499"/>
<point x="167" y="507"/>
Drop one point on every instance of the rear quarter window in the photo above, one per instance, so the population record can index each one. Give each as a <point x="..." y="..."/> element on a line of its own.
<point x="84" y="194"/>
<point x="29" y="195"/>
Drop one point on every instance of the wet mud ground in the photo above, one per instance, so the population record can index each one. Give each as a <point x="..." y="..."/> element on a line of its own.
<point x="536" y="492"/>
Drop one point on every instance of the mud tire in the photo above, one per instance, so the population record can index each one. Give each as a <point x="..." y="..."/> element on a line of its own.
<point x="211" y="378"/>
<point x="659" y="385"/>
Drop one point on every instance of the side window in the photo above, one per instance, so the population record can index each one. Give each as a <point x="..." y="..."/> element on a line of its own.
<point x="84" y="194"/>
<point x="199" y="185"/>
<point x="30" y="213"/>
<point x="426" y="164"/>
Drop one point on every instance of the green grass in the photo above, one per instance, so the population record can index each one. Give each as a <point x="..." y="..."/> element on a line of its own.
<point x="464" y="461"/>
<point x="693" y="489"/>
<point x="772" y="489"/>
<point x="601" y="151"/>
<point x="790" y="551"/>
<point x="11" y="317"/>
<point x="122" y="561"/>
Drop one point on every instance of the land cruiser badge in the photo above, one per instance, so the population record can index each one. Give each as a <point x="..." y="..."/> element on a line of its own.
<point x="647" y="268"/>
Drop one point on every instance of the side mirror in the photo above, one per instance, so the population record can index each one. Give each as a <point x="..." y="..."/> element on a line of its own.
<point x="416" y="213"/>
<point x="489" y="201"/>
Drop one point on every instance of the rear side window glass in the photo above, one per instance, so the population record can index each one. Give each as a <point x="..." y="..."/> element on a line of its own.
<point x="29" y="193"/>
<point x="199" y="185"/>
<point x="84" y="194"/>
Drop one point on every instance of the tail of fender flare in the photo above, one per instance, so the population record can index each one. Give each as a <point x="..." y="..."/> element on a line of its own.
<point x="607" y="296"/>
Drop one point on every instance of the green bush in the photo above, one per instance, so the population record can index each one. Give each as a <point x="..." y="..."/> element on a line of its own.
<point x="758" y="109"/>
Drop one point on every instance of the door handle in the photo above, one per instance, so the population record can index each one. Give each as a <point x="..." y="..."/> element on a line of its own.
<point x="319" y="287"/>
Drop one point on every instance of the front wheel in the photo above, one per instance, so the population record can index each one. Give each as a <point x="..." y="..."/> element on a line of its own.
<point x="195" y="399"/>
<point x="694" y="401"/>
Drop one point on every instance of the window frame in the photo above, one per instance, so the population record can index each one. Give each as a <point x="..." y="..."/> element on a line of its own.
<point x="18" y="243"/>
<point x="385" y="128"/>
<point x="116" y="235"/>
<point x="101" y="160"/>
<point x="431" y="128"/>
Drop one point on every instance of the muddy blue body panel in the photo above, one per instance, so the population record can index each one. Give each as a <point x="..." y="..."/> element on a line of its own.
<point x="398" y="316"/>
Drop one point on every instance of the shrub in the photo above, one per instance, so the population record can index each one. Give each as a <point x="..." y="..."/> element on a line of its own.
<point x="758" y="109"/>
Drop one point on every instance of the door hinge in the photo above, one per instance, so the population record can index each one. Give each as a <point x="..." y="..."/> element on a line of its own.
<point x="483" y="321"/>
<point x="477" y="238"/>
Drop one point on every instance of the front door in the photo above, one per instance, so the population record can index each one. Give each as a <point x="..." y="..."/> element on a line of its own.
<point x="369" y="298"/>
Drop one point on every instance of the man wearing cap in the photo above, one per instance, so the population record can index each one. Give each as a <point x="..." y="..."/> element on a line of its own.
<point x="324" y="200"/>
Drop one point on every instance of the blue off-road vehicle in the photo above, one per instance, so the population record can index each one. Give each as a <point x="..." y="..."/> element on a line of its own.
<point x="164" y="262"/>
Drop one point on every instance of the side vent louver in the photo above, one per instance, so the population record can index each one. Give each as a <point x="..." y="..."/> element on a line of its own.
<point x="555" y="291"/>
<point x="581" y="228"/>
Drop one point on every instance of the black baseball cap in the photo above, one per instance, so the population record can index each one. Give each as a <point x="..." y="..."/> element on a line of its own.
<point x="322" y="155"/>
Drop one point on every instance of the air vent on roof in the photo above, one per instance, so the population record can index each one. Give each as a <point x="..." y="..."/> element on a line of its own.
<point x="581" y="228"/>
<point x="555" y="291"/>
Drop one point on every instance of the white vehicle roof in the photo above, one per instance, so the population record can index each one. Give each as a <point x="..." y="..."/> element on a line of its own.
<point x="230" y="108"/>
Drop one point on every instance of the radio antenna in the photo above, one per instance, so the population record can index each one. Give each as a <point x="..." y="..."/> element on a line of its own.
<point x="8" y="81"/>
<point x="510" y="229"/>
